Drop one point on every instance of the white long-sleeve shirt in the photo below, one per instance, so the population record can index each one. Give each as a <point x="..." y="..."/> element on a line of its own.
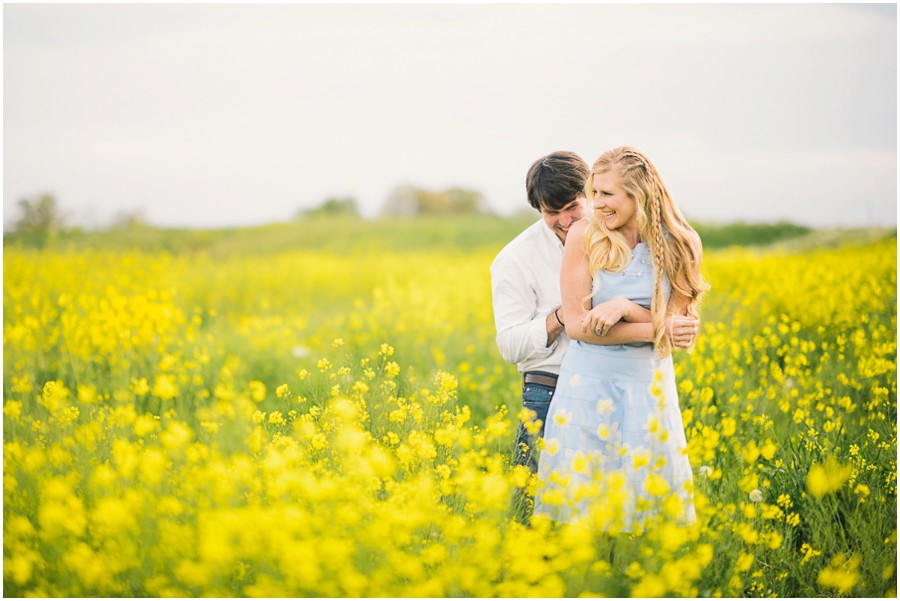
<point x="525" y="289"/>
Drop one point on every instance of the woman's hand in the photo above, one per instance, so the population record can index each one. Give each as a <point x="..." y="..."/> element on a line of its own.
<point x="682" y="329"/>
<point x="604" y="316"/>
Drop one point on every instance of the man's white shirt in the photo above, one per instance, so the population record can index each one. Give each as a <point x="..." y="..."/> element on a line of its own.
<point x="525" y="289"/>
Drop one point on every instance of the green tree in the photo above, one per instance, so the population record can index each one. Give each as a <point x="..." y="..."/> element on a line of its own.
<point x="129" y="220"/>
<point x="40" y="219"/>
<point x="345" y="205"/>
<point x="411" y="201"/>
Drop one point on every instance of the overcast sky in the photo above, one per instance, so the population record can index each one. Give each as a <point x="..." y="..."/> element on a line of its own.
<point x="224" y="114"/>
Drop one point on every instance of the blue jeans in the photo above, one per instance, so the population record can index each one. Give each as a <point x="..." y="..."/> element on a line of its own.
<point x="536" y="398"/>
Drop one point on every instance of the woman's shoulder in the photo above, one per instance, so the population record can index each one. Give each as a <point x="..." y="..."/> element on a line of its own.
<point x="579" y="227"/>
<point x="578" y="231"/>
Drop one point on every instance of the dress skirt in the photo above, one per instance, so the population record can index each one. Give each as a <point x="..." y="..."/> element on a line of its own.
<point x="614" y="452"/>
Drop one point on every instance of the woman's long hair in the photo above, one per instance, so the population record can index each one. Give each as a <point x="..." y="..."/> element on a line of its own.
<point x="672" y="241"/>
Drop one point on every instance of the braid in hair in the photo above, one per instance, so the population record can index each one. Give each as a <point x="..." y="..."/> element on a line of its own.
<point x="648" y="193"/>
<point x="661" y="341"/>
<point x="674" y="245"/>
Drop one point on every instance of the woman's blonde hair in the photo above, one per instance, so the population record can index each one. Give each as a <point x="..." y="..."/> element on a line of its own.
<point x="673" y="243"/>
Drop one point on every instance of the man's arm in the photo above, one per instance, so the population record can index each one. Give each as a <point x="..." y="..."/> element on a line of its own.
<point x="521" y="333"/>
<point x="555" y="325"/>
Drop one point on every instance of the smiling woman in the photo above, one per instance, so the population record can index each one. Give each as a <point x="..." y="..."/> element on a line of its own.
<point x="616" y="208"/>
<point x="630" y="287"/>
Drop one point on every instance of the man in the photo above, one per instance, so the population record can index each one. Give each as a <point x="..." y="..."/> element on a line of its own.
<point x="525" y="290"/>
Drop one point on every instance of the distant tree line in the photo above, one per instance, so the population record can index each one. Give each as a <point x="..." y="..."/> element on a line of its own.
<point x="41" y="220"/>
<point x="333" y="206"/>
<point x="409" y="201"/>
<point x="744" y="234"/>
<point x="412" y="201"/>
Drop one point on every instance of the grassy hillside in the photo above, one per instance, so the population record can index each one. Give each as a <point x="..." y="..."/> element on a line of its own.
<point x="347" y="235"/>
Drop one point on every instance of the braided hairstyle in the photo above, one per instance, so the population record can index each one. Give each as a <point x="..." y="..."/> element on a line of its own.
<point x="674" y="245"/>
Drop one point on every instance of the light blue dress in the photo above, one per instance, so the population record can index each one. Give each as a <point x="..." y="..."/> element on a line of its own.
<point x="614" y="420"/>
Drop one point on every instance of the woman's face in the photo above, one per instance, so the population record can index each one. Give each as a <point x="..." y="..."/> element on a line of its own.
<point x="611" y="203"/>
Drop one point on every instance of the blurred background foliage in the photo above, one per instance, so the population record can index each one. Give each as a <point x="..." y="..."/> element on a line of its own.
<point x="412" y="220"/>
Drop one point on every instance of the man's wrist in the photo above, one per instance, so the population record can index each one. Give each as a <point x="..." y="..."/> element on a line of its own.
<point x="556" y="314"/>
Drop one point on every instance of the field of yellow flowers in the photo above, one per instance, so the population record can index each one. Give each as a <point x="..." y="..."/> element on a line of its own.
<point x="340" y="424"/>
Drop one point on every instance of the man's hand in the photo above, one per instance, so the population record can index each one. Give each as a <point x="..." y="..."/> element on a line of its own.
<point x="682" y="329"/>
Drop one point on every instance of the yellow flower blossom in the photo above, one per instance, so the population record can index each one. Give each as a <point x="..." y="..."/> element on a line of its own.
<point x="826" y="478"/>
<point x="744" y="562"/>
<point x="656" y="485"/>
<point x="176" y="435"/>
<point x="258" y="391"/>
<point x="841" y="574"/>
<point x="165" y="387"/>
<point x="562" y="417"/>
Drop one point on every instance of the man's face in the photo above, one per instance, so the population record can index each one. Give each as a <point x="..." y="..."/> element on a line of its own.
<point x="560" y="220"/>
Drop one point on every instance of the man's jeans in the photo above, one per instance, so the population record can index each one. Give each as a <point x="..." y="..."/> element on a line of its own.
<point x="535" y="397"/>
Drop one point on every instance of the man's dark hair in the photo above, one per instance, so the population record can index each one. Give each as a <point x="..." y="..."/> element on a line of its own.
<point x="556" y="180"/>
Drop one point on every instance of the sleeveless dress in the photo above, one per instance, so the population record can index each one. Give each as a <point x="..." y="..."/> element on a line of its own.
<point x="614" y="449"/>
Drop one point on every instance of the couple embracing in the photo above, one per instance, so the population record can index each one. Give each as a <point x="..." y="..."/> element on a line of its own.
<point x="589" y="303"/>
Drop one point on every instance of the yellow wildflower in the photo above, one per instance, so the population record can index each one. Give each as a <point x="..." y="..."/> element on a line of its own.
<point x="827" y="478"/>
<point x="841" y="574"/>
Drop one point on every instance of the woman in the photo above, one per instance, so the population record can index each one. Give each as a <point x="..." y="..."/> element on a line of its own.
<point x="631" y="284"/>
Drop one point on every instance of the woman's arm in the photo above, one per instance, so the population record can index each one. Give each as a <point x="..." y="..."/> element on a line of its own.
<point x="605" y="315"/>
<point x="630" y="323"/>
<point x="575" y="286"/>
